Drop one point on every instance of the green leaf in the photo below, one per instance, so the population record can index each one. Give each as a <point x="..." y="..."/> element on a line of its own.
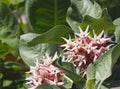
<point x="79" y="85"/>
<point x="117" y="30"/>
<point x="53" y="36"/>
<point x="69" y="72"/>
<point x="4" y="49"/>
<point x="103" y="23"/>
<point x="9" y="28"/>
<point x="115" y="54"/>
<point x="47" y="86"/>
<point x="67" y="82"/>
<point x="13" y="66"/>
<point x="90" y="84"/>
<point x="33" y="53"/>
<point x="101" y="69"/>
<point x="79" y="9"/>
<point x="43" y="16"/>
<point x="114" y="12"/>
<point x="91" y="73"/>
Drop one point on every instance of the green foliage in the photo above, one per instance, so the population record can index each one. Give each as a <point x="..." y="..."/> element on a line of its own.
<point x="47" y="20"/>
<point x="11" y="76"/>
<point x="53" y="36"/>
<point x="103" y="23"/>
<point x="70" y="71"/>
<point x="4" y="49"/>
<point x="42" y="16"/>
<point x="117" y="30"/>
<point x="36" y="52"/>
<point x="114" y="12"/>
<point x="9" y="28"/>
<point x="79" y="9"/>
<point x="47" y="86"/>
<point x="101" y="70"/>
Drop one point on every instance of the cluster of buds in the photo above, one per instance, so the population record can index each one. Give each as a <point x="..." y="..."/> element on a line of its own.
<point x="44" y="73"/>
<point x="84" y="50"/>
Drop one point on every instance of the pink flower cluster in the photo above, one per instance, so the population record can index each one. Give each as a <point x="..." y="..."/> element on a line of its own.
<point x="44" y="73"/>
<point x="84" y="50"/>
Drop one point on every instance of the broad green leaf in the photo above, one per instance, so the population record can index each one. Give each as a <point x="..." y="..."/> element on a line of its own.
<point x="103" y="66"/>
<point x="101" y="69"/>
<point x="103" y="23"/>
<point x="47" y="86"/>
<point x="9" y="28"/>
<point x="79" y="9"/>
<point x="117" y="30"/>
<point x="43" y="15"/>
<point x="33" y="53"/>
<point x="53" y="36"/>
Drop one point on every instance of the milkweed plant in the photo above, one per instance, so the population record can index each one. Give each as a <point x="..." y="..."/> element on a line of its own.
<point x="66" y="44"/>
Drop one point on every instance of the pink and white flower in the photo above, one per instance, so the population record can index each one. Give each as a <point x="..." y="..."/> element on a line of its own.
<point x="44" y="73"/>
<point x="84" y="50"/>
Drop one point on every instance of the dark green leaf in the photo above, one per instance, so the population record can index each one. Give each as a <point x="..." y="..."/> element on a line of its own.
<point x="79" y="85"/>
<point x="53" y="36"/>
<point x="114" y="12"/>
<point x="103" y="23"/>
<point x="9" y="28"/>
<point x="43" y="15"/>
